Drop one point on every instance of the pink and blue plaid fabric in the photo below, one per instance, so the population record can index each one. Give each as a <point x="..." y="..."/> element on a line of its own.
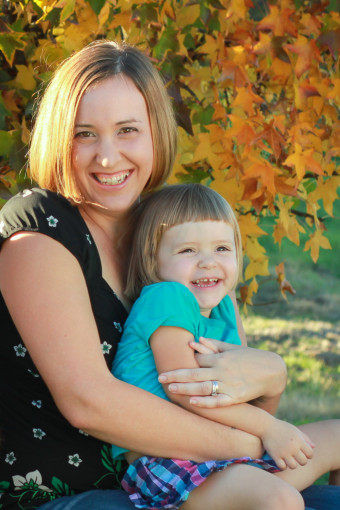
<point x="153" y="482"/>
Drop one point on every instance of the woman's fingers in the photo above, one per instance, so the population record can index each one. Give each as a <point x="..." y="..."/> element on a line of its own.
<point x="216" y="348"/>
<point x="188" y="375"/>
<point x="210" y="344"/>
<point x="201" y="348"/>
<point x="220" y="400"/>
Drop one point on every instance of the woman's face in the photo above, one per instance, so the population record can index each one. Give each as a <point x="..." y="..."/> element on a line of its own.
<point x="112" y="152"/>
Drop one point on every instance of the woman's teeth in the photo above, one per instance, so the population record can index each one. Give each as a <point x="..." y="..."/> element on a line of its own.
<point x="113" y="179"/>
<point x="205" y="282"/>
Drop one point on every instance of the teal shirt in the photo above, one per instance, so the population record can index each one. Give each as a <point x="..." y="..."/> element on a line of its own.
<point x="165" y="304"/>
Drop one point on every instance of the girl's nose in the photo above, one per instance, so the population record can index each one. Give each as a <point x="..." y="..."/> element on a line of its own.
<point x="207" y="261"/>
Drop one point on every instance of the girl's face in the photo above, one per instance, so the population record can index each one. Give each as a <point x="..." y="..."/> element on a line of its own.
<point x="202" y="256"/>
<point x="112" y="153"/>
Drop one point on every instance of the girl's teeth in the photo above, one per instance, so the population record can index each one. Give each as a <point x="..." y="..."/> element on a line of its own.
<point x="203" y="282"/>
<point x="114" y="179"/>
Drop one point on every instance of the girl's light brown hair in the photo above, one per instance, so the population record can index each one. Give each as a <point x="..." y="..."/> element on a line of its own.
<point x="159" y="211"/>
<point x="51" y="144"/>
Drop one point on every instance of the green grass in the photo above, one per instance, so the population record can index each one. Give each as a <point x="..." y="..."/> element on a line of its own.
<point x="305" y="328"/>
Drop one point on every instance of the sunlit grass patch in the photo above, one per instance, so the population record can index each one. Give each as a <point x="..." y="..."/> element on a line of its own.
<point x="311" y="350"/>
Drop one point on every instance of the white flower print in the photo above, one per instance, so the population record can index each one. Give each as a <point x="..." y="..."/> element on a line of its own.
<point x="118" y="326"/>
<point x="10" y="458"/>
<point x="88" y="238"/>
<point x="37" y="403"/>
<point x="20" y="350"/>
<point x="26" y="193"/>
<point x="106" y="348"/>
<point x="33" y="373"/>
<point x="38" y="433"/>
<point x="82" y="432"/>
<point x="2" y="227"/>
<point x="52" y="221"/>
<point x="33" y="480"/>
<point x="75" y="460"/>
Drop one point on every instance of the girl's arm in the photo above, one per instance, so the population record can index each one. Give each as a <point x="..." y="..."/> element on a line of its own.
<point x="267" y="402"/>
<point x="46" y="294"/>
<point x="243" y="374"/>
<point x="171" y="349"/>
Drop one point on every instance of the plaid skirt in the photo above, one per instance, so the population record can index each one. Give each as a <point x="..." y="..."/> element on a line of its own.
<point x="154" y="482"/>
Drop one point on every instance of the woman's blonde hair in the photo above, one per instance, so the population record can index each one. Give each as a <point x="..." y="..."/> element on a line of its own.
<point x="51" y="144"/>
<point x="159" y="211"/>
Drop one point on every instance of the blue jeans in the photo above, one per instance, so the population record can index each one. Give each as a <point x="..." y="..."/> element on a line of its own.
<point x="317" y="497"/>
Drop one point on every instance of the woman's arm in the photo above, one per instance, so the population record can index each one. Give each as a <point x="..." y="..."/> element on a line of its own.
<point x="46" y="294"/>
<point x="284" y="442"/>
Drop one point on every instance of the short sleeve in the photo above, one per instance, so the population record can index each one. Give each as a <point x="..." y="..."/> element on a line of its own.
<point x="225" y="312"/>
<point x="46" y="212"/>
<point x="165" y="304"/>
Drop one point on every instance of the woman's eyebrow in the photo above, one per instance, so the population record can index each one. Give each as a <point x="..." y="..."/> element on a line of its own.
<point x="126" y="121"/>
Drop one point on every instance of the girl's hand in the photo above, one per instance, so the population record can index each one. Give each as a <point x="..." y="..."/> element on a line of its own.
<point x="287" y="445"/>
<point x="242" y="373"/>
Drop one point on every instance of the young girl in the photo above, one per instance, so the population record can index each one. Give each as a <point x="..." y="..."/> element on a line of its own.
<point x="186" y="258"/>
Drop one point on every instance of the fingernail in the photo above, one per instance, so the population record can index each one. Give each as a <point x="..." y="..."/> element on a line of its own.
<point x="173" y="388"/>
<point x="193" y="401"/>
<point x="162" y="378"/>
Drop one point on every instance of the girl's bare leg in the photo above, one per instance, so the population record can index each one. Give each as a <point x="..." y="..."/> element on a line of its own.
<point x="243" y="487"/>
<point x="326" y="457"/>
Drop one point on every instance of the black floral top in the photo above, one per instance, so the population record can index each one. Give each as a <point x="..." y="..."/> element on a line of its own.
<point x="41" y="455"/>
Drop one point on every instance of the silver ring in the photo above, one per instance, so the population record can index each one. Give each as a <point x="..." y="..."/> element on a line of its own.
<point x="214" y="388"/>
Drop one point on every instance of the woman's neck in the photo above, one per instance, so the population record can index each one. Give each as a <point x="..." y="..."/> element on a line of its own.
<point x="105" y="230"/>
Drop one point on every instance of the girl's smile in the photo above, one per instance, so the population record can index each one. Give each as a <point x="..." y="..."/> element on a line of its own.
<point x="202" y="256"/>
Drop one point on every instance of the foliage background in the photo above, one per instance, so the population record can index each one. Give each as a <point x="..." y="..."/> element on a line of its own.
<point x="255" y="85"/>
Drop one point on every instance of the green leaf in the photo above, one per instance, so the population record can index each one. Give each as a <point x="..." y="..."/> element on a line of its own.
<point x="6" y="143"/>
<point x="3" y="114"/>
<point x="67" y="10"/>
<point x="96" y="5"/>
<point x="61" y="488"/>
<point x="9" y="42"/>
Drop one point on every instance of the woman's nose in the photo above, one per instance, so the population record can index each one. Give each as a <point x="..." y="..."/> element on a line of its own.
<point x="107" y="154"/>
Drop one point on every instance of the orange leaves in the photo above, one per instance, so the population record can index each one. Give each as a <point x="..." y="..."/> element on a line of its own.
<point x="306" y="50"/>
<point x="284" y="284"/>
<point x="316" y="241"/>
<point x="258" y="99"/>
<point x="287" y="225"/>
<point x="279" y="21"/>
<point x="246" y="100"/>
<point x="303" y="161"/>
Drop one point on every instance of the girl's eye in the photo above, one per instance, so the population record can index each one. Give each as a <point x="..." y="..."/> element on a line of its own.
<point x="186" y="250"/>
<point x="222" y="248"/>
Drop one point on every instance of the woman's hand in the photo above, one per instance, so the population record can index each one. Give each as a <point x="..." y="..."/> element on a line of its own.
<point x="242" y="373"/>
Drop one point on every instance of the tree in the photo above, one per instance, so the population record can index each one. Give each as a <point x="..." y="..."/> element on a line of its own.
<point x="255" y="86"/>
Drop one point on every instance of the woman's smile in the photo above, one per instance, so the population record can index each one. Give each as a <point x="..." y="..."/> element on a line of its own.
<point x="112" y="153"/>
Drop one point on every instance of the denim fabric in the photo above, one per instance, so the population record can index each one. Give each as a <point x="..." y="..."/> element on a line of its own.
<point x="317" y="497"/>
<point x="322" y="497"/>
<point x="92" y="500"/>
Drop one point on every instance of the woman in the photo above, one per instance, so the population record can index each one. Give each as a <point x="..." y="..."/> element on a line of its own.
<point x="104" y="133"/>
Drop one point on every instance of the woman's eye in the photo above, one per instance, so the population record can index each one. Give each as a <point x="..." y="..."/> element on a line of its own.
<point x="84" y="134"/>
<point x="128" y="129"/>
